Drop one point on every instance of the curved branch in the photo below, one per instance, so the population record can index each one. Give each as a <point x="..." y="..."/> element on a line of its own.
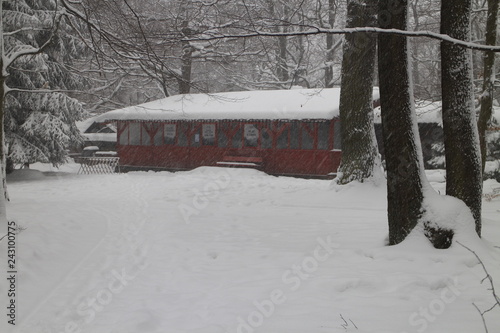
<point x="319" y="31"/>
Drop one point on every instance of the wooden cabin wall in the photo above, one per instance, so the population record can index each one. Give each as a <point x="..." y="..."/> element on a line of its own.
<point x="286" y="147"/>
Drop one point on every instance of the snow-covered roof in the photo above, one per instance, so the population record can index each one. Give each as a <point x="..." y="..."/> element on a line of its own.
<point x="104" y="137"/>
<point x="85" y="124"/>
<point x="256" y="105"/>
<point x="427" y="112"/>
<point x="430" y="112"/>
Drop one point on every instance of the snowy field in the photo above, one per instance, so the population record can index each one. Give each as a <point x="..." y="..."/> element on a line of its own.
<point x="219" y="250"/>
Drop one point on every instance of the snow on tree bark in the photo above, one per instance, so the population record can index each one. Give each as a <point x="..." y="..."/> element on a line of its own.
<point x="489" y="78"/>
<point x="461" y="140"/>
<point x="399" y="129"/>
<point x="359" y="146"/>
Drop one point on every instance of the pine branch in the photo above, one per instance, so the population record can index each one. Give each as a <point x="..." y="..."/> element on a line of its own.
<point x="25" y="50"/>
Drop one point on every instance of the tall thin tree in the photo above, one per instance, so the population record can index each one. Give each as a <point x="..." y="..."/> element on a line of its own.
<point x="488" y="77"/>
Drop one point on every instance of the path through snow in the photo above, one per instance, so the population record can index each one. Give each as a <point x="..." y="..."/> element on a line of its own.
<point x="224" y="250"/>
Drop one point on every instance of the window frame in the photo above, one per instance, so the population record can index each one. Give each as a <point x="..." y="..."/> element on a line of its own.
<point x="257" y="125"/>
<point x="202" y="137"/>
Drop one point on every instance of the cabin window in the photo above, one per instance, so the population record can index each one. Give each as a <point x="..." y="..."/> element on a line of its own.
<point x="221" y="136"/>
<point x="123" y="130"/>
<point x="282" y="139"/>
<point x="266" y="138"/>
<point x="337" y="137"/>
<point x="295" y="135"/>
<point x="195" y="135"/>
<point x="158" y="134"/>
<point x="323" y="134"/>
<point x="158" y="139"/>
<point x="182" y="136"/>
<point x="224" y="132"/>
<point x="169" y="133"/>
<point x="306" y="138"/>
<point x="236" y="141"/>
<point x="134" y="134"/>
<point x="145" y="138"/>
<point x="251" y="135"/>
<point x="208" y="134"/>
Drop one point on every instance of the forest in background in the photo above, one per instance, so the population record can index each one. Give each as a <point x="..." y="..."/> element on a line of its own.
<point x="111" y="54"/>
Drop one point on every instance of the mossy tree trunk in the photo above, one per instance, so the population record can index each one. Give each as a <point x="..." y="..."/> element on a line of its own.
<point x="359" y="145"/>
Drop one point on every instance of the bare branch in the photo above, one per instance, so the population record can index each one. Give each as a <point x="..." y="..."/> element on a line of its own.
<point x="490" y="279"/>
<point x="318" y="31"/>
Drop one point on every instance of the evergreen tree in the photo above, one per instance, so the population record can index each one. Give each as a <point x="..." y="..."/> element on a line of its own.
<point x="39" y="118"/>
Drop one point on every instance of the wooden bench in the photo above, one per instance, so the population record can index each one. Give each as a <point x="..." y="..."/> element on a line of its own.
<point x="241" y="161"/>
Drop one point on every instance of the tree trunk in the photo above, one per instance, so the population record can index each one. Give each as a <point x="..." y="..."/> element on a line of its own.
<point x="186" y="57"/>
<point x="399" y="128"/>
<point x="3" y="183"/>
<point x="4" y="196"/>
<point x="186" y="67"/>
<point x="359" y="146"/>
<point x="187" y="50"/>
<point x="461" y="140"/>
<point x="281" y="50"/>
<point x="282" y="70"/>
<point x="415" y="61"/>
<point x="489" y="78"/>
<point x="329" y="46"/>
<point x="283" y="73"/>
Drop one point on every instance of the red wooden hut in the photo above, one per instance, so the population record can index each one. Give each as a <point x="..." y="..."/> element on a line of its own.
<point x="285" y="132"/>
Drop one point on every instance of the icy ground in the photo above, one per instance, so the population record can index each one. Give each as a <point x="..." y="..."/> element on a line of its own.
<point x="219" y="250"/>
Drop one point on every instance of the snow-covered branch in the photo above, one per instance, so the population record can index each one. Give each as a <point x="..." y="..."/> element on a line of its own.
<point x="312" y="30"/>
<point x="25" y="50"/>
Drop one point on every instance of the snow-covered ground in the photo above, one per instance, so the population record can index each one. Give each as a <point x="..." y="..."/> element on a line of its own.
<point x="219" y="250"/>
